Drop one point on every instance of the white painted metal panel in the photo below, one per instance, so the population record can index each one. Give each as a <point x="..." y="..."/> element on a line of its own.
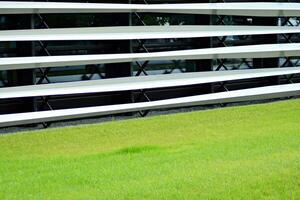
<point x="251" y="51"/>
<point x="140" y="32"/>
<point x="241" y="9"/>
<point x="142" y="82"/>
<point x="268" y="92"/>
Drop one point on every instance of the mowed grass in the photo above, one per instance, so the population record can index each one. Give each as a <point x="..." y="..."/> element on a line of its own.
<point x="249" y="152"/>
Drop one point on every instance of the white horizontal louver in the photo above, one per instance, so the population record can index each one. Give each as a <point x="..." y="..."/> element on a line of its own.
<point x="142" y="82"/>
<point x="241" y="9"/>
<point x="251" y="51"/>
<point x="140" y="32"/>
<point x="268" y="92"/>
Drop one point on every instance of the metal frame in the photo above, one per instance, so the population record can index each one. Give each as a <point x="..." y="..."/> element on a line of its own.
<point x="142" y="67"/>
<point x="116" y="33"/>
<point x="289" y="39"/>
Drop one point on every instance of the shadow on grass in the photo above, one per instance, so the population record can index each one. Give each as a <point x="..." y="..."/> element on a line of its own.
<point x="139" y="149"/>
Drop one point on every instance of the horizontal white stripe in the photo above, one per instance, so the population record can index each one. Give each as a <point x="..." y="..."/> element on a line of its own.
<point x="268" y="92"/>
<point x="140" y="32"/>
<point x="251" y="51"/>
<point x="142" y="82"/>
<point x="242" y="9"/>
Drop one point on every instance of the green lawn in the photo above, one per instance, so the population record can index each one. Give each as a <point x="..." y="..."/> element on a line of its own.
<point x="249" y="152"/>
